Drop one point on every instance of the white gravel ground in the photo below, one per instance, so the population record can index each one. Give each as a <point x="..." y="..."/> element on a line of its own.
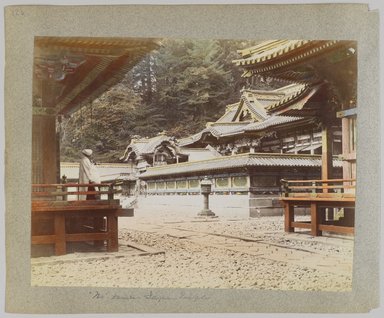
<point x="186" y="264"/>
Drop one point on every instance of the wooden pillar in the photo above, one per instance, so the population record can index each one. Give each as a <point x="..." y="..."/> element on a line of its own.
<point x="44" y="137"/>
<point x="326" y="157"/>
<point x="44" y="169"/>
<point x="311" y="141"/>
<point x="98" y="227"/>
<point x="58" y="133"/>
<point x="315" y="219"/>
<point x="112" y="229"/>
<point x="347" y="173"/>
<point x="289" y="217"/>
<point x="45" y="164"/>
<point x="44" y="161"/>
<point x="60" y="242"/>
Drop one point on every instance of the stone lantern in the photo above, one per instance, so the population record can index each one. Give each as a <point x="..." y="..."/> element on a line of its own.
<point x="206" y="188"/>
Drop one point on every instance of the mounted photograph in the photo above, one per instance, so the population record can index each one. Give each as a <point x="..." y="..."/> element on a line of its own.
<point x="188" y="163"/>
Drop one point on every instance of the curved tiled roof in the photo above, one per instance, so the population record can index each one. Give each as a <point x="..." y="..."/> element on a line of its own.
<point x="259" y="103"/>
<point x="238" y="161"/>
<point x="295" y="95"/>
<point x="154" y="142"/>
<point x="217" y="130"/>
<point x="300" y="95"/>
<point x="271" y="121"/>
<point x="190" y="139"/>
<point x="272" y="55"/>
<point x="223" y="129"/>
<point x="269" y="49"/>
<point x="272" y="100"/>
<point x="146" y="145"/>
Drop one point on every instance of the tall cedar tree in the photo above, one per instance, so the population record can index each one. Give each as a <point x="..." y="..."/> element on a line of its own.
<point x="176" y="89"/>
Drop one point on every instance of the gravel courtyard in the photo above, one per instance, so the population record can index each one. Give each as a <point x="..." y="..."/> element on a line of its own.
<point x="189" y="252"/>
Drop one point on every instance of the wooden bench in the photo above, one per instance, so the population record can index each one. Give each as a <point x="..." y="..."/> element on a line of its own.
<point x="75" y="220"/>
<point x="318" y="195"/>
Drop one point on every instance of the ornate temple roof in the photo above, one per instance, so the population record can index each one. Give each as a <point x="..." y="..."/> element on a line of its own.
<point x="257" y="104"/>
<point x="237" y="161"/>
<point x="256" y="108"/>
<point x="296" y="100"/>
<point x="217" y="130"/>
<point x="275" y="54"/>
<point x="270" y="122"/>
<point x="147" y="146"/>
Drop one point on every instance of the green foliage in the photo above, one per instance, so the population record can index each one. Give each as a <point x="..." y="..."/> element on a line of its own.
<point x="102" y="125"/>
<point x="195" y="80"/>
<point x="176" y="89"/>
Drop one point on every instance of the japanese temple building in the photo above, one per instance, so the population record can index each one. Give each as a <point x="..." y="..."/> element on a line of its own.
<point x="251" y="151"/>
<point x="329" y="63"/>
<point x="305" y="129"/>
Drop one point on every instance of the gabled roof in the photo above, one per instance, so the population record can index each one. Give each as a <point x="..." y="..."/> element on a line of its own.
<point x="248" y="101"/>
<point x="230" y="112"/>
<point x="145" y="146"/>
<point x="237" y="161"/>
<point x="154" y="142"/>
<point x="260" y="104"/>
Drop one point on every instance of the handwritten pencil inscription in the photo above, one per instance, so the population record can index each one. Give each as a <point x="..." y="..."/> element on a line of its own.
<point x="148" y="296"/>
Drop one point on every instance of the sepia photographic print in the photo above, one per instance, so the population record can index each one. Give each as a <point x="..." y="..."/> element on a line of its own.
<point x="170" y="170"/>
<point x="216" y="164"/>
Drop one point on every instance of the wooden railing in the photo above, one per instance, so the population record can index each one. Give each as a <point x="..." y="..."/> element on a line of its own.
<point x="320" y="196"/>
<point x="76" y="215"/>
<point x="330" y="188"/>
<point x="61" y="191"/>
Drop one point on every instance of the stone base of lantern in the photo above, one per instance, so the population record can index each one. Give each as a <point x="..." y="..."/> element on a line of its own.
<point x="206" y="212"/>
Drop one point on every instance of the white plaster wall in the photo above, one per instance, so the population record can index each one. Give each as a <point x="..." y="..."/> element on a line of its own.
<point x="231" y="206"/>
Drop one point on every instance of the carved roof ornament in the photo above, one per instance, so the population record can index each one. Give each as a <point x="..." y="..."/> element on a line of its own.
<point x="57" y="67"/>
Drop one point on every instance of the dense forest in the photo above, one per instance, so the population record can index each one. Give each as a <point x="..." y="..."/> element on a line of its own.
<point x="176" y="89"/>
